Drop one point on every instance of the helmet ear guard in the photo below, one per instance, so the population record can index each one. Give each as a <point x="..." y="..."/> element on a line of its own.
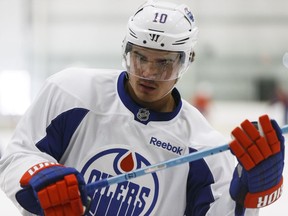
<point x="163" y="26"/>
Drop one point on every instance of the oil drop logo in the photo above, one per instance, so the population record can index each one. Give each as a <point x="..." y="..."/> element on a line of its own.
<point x="127" y="162"/>
<point x="135" y="197"/>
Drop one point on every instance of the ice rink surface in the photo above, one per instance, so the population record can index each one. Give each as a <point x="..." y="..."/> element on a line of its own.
<point x="224" y="116"/>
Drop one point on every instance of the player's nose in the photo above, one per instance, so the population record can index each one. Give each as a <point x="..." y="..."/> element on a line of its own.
<point x="150" y="70"/>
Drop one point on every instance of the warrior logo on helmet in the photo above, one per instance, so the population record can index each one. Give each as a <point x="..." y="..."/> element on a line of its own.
<point x="154" y="37"/>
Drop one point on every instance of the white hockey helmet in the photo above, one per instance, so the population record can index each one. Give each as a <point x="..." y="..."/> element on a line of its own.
<point x="162" y="26"/>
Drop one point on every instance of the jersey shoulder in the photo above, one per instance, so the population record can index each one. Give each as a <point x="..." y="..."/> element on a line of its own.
<point x="81" y="76"/>
<point x="79" y="87"/>
<point x="88" y="86"/>
<point x="201" y="130"/>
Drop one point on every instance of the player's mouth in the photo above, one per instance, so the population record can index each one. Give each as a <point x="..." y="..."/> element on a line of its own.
<point x="147" y="86"/>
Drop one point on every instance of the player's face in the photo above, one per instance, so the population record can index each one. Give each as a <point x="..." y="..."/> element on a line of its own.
<point x="152" y="73"/>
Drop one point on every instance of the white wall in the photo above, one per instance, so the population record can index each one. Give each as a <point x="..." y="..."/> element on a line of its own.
<point x="239" y="41"/>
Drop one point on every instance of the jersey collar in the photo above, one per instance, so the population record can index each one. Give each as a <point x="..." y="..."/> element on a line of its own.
<point x="142" y="114"/>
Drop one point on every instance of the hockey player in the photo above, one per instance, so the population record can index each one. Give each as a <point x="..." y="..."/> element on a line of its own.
<point x="89" y="124"/>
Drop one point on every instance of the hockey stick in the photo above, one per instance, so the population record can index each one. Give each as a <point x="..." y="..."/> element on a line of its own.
<point x="154" y="168"/>
<point x="29" y="202"/>
<point x="160" y="166"/>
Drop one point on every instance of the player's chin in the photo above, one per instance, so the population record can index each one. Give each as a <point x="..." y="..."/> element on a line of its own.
<point x="147" y="96"/>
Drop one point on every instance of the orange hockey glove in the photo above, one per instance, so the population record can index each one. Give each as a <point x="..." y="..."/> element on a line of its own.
<point x="257" y="180"/>
<point x="51" y="189"/>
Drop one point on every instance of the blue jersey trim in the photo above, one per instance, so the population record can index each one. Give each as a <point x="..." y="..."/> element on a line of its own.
<point x="199" y="193"/>
<point x="134" y="107"/>
<point x="60" y="131"/>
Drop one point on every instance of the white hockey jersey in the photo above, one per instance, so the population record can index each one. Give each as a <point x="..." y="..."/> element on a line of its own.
<point x="83" y="118"/>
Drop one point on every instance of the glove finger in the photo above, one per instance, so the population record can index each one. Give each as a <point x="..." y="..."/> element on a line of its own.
<point x="279" y="134"/>
<point x="77" y="207"/>
<point x="49" y="196"/>
<point x="251" y="130"/>
<point x="260" y="142"/>
<point x="244" y="159"/>
<point x="72" y="185"/>
<point x="43" y="198"/>
<point x="53" y="195"/>
<point x="63" y="192"/>
<point x="74" y="194"/>
<point x="270" y="134"/>
<point x="251" y="150"/>
<point x="49" y="212"/>
<point x="242" y="137"/>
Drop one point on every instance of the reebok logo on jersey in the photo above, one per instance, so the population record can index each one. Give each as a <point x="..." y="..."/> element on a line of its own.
<point x="167" y="146"/>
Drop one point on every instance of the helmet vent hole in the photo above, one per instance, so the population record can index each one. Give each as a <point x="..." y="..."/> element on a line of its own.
<point x="144" y="41"/>
<point x="162" y="44"/>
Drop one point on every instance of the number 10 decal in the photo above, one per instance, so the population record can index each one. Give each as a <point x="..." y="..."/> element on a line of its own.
<point x="160" y="18"/>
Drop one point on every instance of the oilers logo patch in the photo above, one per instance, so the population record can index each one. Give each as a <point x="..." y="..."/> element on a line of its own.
<point x="134" y="197"/>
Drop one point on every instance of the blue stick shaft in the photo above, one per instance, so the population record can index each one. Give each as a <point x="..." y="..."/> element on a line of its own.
<point x="154" y="168"/>
<point x="160" y="166"/>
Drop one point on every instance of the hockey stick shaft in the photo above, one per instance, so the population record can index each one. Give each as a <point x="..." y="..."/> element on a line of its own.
<point x="154" y="168"/>
<point x="160" y="166"/>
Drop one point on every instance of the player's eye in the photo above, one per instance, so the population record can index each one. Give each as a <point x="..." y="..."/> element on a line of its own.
<point x="164" y="62"/>
<point x="140" y="57"/>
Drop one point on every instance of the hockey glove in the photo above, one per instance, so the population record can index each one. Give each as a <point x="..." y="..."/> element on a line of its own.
<point x="257" y="180"/>
<point x="51" y="189"/>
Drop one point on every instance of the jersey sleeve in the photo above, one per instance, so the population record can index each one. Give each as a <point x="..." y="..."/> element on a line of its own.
<point x="21" y="152"/>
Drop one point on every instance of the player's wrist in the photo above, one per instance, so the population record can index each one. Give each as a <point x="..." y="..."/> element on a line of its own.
<point x="260" y="186"/>
<point x="264" y="198"/>
<point x="32" y="171"/>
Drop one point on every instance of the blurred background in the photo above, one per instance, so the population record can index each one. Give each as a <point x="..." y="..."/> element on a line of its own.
<point x="238" y="70"/>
